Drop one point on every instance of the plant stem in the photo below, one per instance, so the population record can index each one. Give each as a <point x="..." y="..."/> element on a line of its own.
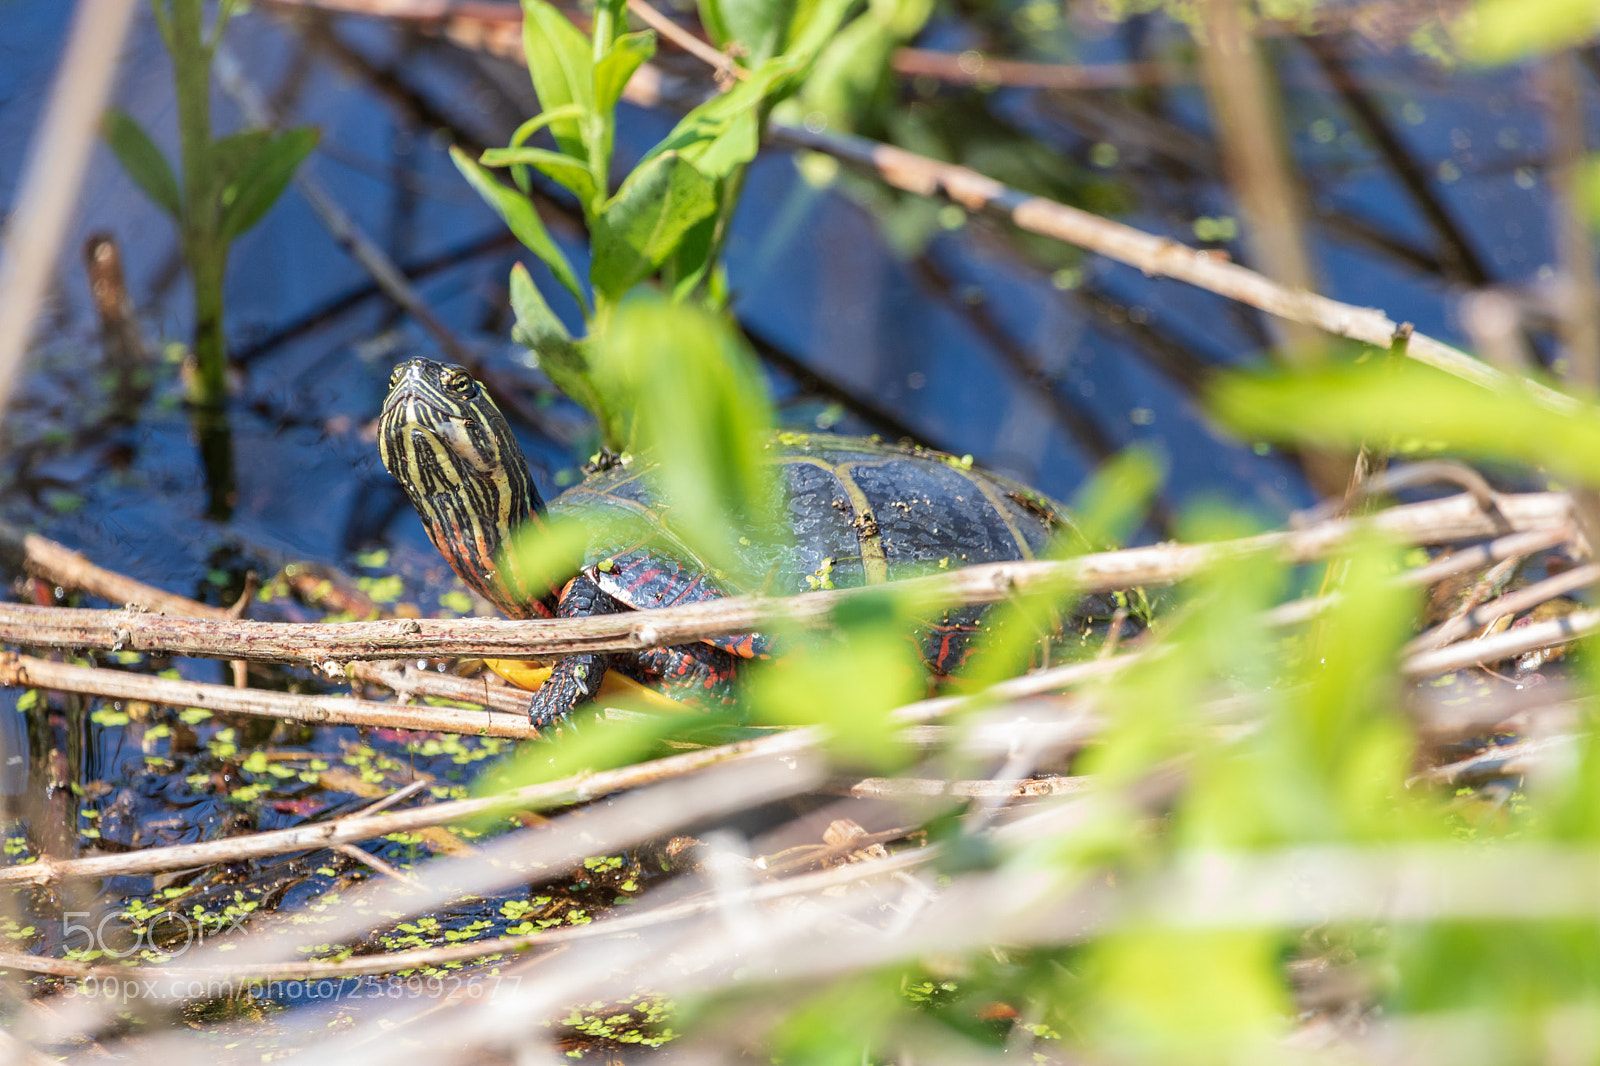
<point x="732" y="186"/>
<point x="204" y="248"/>
<point x="604" y="29"/>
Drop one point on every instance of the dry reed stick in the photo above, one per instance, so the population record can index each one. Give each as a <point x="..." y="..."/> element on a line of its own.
<point x="320" y="710"/>
<point x="581" y="787"/>
<point x="576" y="789"/>
<point x="1448" y="565"/>
<point x="1480" y="615"/>
<point x="387" y="962"/>
<point x="327" y="645"/>
<point x="1535" y="636"/>
<point x="62" y="566"/>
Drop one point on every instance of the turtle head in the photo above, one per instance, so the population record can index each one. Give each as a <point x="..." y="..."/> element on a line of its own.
<point x="453" y="452"/>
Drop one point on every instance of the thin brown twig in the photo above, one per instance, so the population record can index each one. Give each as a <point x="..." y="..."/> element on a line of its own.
<point x="120" y="337"/>
<point x="408" y="682"/>
<point x="720" y="62"/>
<point x="986" y="788"/>
<point x="1481" y="555"/>
<point x="366" y="858"/>
<point x="62" y="566"/>
<point x="1411" y="475"/>
<point x="263" y="703"/>
<point x="399" y="795"/>
<point x="822" y="881"/>
<point x="1074" y="728"/>
<point x="1505" y="760"/>
<point x="1535" y="636"/>
<point x="1155" y="256"/>
<point x="1476" y="617"/>
<point x="976" y="68"/>
<point x="1257" y="165"/>
<point x="1459" y="562"/>
<point x="365" y="825"/>
<point x="576" y="789"/>
<point x="387" y="962"/>
<point x="496" y="28"/>
<point x="326" y="645"/>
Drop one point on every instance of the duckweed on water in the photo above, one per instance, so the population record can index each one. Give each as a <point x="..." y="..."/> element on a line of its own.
<point x="637" y="1020"/>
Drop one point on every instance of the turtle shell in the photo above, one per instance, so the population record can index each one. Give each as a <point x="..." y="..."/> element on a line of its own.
<point x="861" y="512"/>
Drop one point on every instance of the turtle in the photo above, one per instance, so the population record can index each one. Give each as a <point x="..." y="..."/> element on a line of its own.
<point x="860" y="512"/>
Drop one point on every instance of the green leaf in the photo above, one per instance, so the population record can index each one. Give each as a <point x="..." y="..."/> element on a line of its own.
<point x="851" y="74"/>
<point x="1588" y="188"/>
<point x="1499" y="31"/>
<point x="234" y="154"/>
<point x="611" y="74"/>
<point x="1416" y="408"/>
<point x="142" y="160"/>
<point x="724" y="132"/>
<point x="562" y="67"/>
<point x="518" y="213"/>
<point x="765" y="29"/>
<point x="757" y="26"/>
<point x="1353" y="744"/>
<point x="801" y="689"/>
<point x="644" y="222"/>
<point x="564" y="169"/>
<point x="814" y="24"/>
<point x="564" y="363"/>
<point x="1178" y="989"/>
<point x="537" y="326"/>
<point x="692" y="257"/>
<point x="701" y="410"/>
<point x="1111" y="504"/>
<point x="714" y="19"/>
<point x="543" y="119"/>
<point x="258" y="186"/>
<point x="735" y="146"/>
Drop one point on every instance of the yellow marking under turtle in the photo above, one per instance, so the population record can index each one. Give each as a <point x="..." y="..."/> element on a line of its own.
<point x="530" y="676"/>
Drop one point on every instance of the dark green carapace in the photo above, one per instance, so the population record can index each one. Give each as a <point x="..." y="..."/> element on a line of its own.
<point x="876" y="512"/>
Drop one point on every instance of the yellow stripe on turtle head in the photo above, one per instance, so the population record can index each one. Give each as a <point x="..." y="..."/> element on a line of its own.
<point x="445" y="441"/>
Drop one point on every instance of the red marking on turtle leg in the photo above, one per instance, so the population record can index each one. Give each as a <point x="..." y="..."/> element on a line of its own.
<point x="684" y="592"/>
<point x="749" y="646"/>
<point x="644" y="579"/>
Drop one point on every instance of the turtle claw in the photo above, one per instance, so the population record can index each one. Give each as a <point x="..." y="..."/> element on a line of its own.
<point x="573" y="682"/>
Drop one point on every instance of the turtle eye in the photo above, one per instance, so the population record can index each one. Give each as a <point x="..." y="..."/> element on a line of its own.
<point x="399" y="372"/>
<point x="457" y="380"/>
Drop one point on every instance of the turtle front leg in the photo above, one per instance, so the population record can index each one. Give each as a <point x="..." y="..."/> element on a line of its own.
<point x="576" y="679"/>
